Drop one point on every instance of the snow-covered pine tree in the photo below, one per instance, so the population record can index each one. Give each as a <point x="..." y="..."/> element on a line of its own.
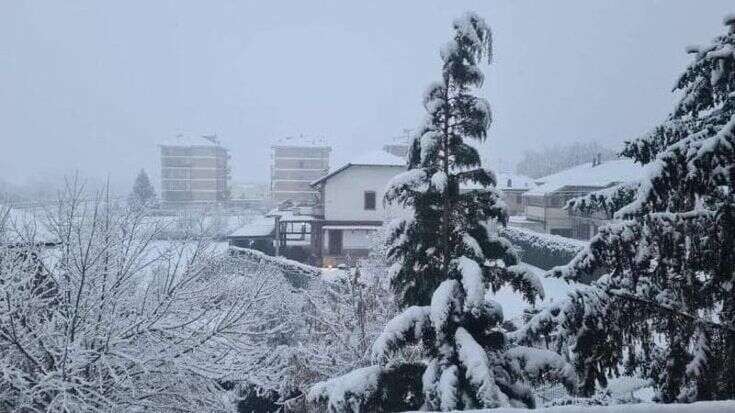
<point x="447" y="260"/>
<point x="666" y="308"/>
<point x="143" y="192"/>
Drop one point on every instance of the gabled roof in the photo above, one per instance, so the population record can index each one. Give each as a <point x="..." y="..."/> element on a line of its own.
<point x="375" y="158"/>
<point x="585" y="175"/>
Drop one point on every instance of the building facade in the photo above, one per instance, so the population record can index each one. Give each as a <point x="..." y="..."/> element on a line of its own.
<point x="296" y="162"/>
<point x="545" y="204"/>
<point x="351" y="198"/>
<point x="194" y="172"/>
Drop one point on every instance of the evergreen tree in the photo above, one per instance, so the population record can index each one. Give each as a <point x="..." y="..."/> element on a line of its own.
<point x="143" y="193"/>
<point x="447" y="260"/>
<point x="666" y="308"/>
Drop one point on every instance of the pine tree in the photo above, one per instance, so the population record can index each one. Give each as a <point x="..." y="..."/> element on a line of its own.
<point x="666" y="308"/>
<point x="143" y="193"/>
<point x="447" y="259"/>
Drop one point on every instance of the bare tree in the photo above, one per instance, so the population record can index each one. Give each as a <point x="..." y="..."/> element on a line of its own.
<point x="110" y="319"/>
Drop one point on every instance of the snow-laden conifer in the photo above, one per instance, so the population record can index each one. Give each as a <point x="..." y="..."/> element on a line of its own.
<point x="448" y="260"/>
<point x="666" y="308"/>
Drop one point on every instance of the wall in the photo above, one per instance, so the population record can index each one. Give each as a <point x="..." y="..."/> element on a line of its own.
<point x="344" y="193"/>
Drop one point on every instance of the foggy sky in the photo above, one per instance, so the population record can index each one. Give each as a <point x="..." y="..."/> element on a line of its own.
<point x="93" y="86"/>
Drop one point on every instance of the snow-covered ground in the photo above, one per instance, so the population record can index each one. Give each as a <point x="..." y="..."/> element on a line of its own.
<point x="701" y="407"/>
<point x="513" y="305"/>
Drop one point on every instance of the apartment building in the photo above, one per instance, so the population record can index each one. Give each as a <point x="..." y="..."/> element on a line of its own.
<point x="194" y="172"/>
<point x="296" y="162"/>
<point x="545" y="204"/>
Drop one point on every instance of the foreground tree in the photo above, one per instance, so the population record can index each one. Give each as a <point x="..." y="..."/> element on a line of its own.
<point x="666" y="308"/>
<point x="143" y="193"/>
<point x="98" y="316"/>
<point x="447" y="258"/>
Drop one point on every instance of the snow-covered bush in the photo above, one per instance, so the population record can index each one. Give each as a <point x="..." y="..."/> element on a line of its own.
<point x="543" y="250"/>
<point x="666" y="310"/>
<point x="109" y="319"/>
<point x="332" y="321"/>
<point x="447" y="259"/>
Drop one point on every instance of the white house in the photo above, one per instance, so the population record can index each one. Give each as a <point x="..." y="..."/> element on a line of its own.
<point x="545" y="203"/>
<point x="352" y="200"/>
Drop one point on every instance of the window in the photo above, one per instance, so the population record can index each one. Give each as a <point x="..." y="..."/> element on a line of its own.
<point x="370" y="200"/>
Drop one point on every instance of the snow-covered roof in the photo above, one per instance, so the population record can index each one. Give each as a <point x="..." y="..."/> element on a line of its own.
<point x="373" y="158"/>
<point x="297" y="215"/>
<point x="259" y="227"/>
<point x="600" y="176"/>
<point x="191" y="140"/>
<point x="301" y="141"/>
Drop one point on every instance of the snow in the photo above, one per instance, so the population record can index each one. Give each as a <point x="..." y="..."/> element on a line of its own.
<point x="25" y="225"/>
<point x="700" y="407"/>
<point x="529" y="278"/>
<point x="301" y="141"/>
<point x="412" y="178"/>
<point x="478" y="372"/>
<point x="408" y="324"/>
<point x="286" y="265"/>
<point x="471" y="243"/>
<point x="513" y="305"/>
<point x="378" y="158"/>
<point x="472" y="283"/>
<point x="439" y="181"/>
<point x="444" y="297"/>
<point x="603" y="175"/>
<point x="347" y="390"/>
<point x="429" y="141"/>
<point x="536" y="362"/>
<point x="373" y="158"/>
<point x="259" y="227"/>
<point x="626" y="385"/>
<point x="188" y="140"/>
<point x="448" y="388"/>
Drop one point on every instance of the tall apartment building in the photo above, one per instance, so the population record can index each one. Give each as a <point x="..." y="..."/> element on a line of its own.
<point x="194" y="172"/>
<point x="296" y="162"/>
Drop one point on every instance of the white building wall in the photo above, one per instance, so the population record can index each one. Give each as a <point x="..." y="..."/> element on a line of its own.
<point x="356" y="239"/>
<point x="344" y="193"/>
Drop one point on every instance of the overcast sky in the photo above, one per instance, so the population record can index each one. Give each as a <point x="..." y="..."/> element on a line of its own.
<point x="93" y="86"/>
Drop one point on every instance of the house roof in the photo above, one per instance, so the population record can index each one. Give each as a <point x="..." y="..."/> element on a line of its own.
<point x="259" y="227"/>
<point x="189" y="140"/>
<point x="374" y="158"/>
<point x="301" y="141"/>
<point x="600" y="176"/>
